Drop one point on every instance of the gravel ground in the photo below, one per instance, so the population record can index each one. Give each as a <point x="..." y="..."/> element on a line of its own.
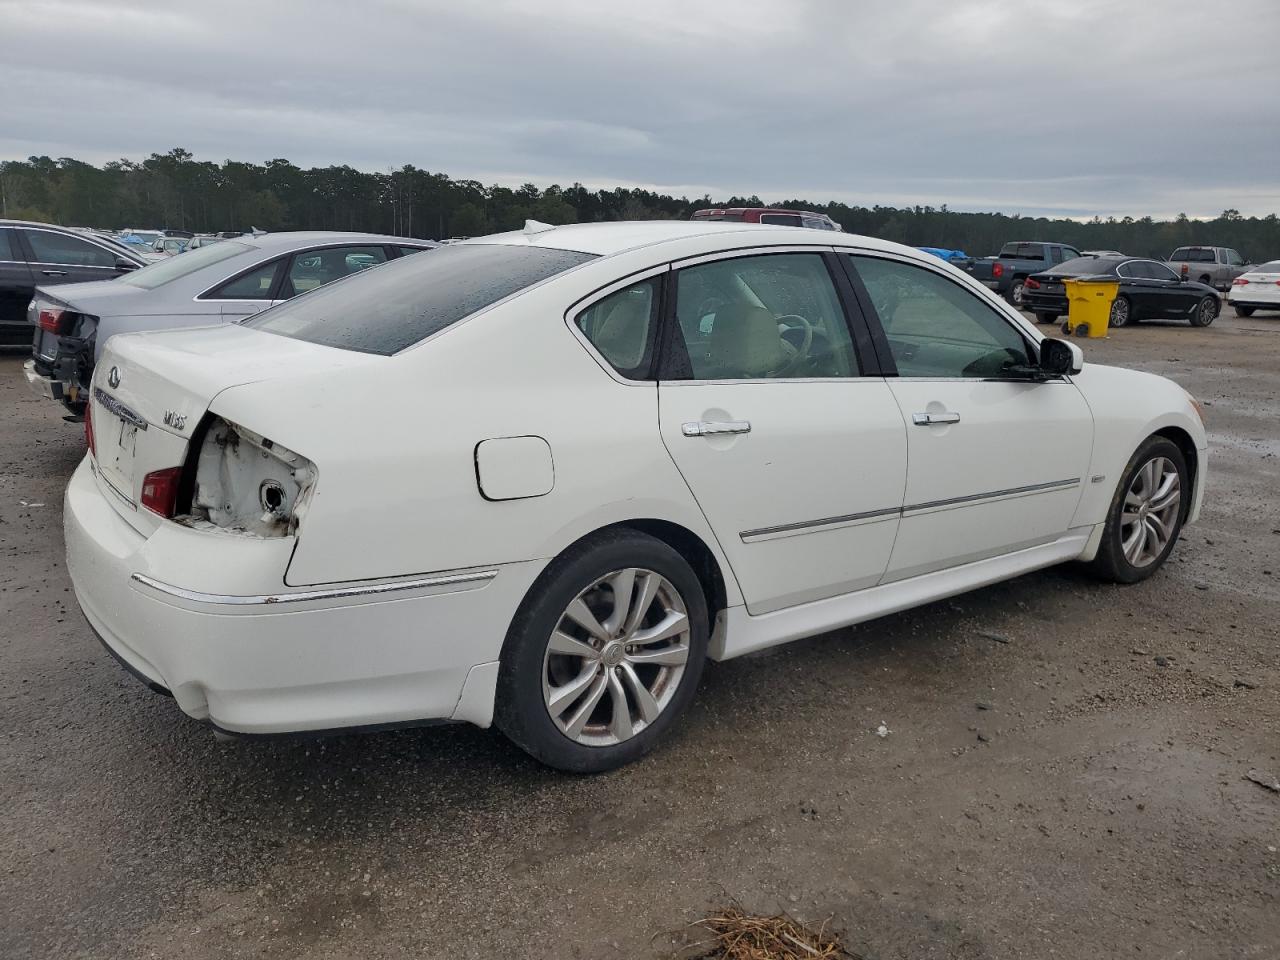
<point x="1064" y="776"/>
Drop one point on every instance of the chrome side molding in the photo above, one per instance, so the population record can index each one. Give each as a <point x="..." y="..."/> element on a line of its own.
<point x="299" y="596"/>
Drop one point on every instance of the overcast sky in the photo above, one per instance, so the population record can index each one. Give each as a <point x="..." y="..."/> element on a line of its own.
<point x="1067" y="107"/>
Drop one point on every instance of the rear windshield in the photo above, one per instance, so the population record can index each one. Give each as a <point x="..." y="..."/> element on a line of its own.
<point x="1193" y="255"/>
<point x="1023" y="251"/>
<point x="407" y="300"/>
<point x="1085" y="267"/>
<point x="166" y="271"/>
<point x="725" y="217"/>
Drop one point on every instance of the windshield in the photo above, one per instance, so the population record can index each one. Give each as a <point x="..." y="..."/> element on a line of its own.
<point x="148" y="278"/>
<point x="1085" y="267"/>
<point x="405" y="301"/>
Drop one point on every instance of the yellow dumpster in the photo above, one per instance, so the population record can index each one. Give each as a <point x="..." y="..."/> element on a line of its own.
<point x="1089" y="306"/>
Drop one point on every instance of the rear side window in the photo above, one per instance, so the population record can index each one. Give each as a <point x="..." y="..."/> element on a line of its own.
<point x="6" y="247"/>
<point x="253" y="285"/>
<point x="621" y="327"/>
<point x="383" y="311"/>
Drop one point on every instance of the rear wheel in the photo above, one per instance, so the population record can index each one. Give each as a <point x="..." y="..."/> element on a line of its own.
<point x="1244" y="311"/>
<point x="1016" y="291"/>
<point x="1145" y="517"/>
<point x="1206" y="312"/>
<point x="1121" y="312"/>
<point x="1046" y="318"/>
<point x="604" y="654"/>
<point x="1206" y="280"/>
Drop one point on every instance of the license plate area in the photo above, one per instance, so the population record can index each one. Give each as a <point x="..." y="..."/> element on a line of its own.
<point x="116" y="442"/>
<point x="48" y="348"/>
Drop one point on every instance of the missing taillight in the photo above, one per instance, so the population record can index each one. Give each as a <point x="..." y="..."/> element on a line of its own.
<point x="246" y="483"/>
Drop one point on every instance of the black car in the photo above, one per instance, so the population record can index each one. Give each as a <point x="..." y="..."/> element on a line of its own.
<point x="1148" y="290"/>
<point x="39" y="254"/>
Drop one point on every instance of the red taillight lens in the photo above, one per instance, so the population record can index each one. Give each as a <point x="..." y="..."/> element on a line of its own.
<point x="997" y="270"/>
<point x="1032" y="283"/>
<point x="54" y="320"/>
<point x="88" y="429"/>
<point x="160" y="490"/>
<point x="1239" y="282"/>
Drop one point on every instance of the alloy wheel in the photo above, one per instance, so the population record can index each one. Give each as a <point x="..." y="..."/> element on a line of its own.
<point x="616" y="657"/>
<point x="1119" y="312"/>
<point x="1208" y="311"/>
<point x="1149" y="518"/>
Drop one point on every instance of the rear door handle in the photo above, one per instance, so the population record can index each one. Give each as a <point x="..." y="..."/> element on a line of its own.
<point x="54" y="273"/>
<point x="712" y="428"/>
<point x="933" y="419"/>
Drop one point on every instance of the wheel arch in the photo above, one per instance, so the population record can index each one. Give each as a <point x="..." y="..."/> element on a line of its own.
<point x="1187" y="446"/>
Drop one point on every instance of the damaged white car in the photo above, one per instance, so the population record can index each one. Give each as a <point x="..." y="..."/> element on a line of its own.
<point x="537" y="479"/>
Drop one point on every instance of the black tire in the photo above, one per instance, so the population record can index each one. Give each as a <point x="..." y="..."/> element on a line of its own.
<point x="1206" y="312"/>
<point x="521" y="711"/>
<point x="1121" y="312"/>
<point x="1016" y="289"/>
<point x="1110" y="563"/>
<point x="1046" y="318"/>
<point x="1244" y="311"/>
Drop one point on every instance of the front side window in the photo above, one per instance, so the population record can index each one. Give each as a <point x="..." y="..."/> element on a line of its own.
<point x="935" y="327"/>
<point x="64" y="250"/>
<point x="314" y="268"/>
<point x="1158" y="271"/>
<point x="383" y="311"/>
<point x="254" y="285"/>
<point x="817" y="223"/>
<point x="408" y="251"/>
<point x="621" y="327"/>
<point x="775" y="316"/>
<point x="1235" y="259"/>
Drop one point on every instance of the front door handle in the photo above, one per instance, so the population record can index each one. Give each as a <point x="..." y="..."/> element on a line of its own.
<point x="54" y="273"/>
<point x="712" y="428"/>
<point x="933" y="419"/>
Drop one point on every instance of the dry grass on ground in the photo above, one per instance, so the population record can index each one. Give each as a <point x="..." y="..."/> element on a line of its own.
<point x="735" y="935"/>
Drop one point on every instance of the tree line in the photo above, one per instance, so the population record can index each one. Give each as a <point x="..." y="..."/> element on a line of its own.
<point x="175" y="190"/>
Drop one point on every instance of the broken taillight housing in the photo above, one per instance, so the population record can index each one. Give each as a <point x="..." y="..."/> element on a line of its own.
<point x="246" y="483"/>
<point x="1032" y="283"/>
<point x="88" y="429"/>
<point x="160" y="490"/>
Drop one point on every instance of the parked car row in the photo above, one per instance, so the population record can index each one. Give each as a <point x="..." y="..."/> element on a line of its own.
<point x="1147" y="290"/>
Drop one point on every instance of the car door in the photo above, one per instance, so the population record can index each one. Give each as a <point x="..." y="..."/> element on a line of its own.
<point x="58" y="257"/>
<point x="996" y="462"/>
<point x="1136" y="284"/>
<point x="16" y="286"/>
<point x="1169" y="296"/>
<point x="787" y="436"/>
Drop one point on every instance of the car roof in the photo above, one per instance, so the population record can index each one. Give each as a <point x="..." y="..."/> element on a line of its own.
<point x="607" y="239"/>
<point x="800" y="213"/>
<point x="287" y="240"/>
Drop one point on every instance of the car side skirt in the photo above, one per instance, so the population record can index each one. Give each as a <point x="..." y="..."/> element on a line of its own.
<point x="740" y="633"/>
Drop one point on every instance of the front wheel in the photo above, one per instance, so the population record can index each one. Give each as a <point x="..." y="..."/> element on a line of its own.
<point x="1145" y="517"/>
<point x="1206" y="312"/>
<point x="1244" y="311"/>
<point x="1121" y="312"/>
<point x="604" y="654"/>
<point x="1046" y="318"/>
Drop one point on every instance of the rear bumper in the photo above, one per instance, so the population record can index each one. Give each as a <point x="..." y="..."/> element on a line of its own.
<point x="1044" y="302"/>
<point x="286" y="661"/>
<point x="41" y="385"/>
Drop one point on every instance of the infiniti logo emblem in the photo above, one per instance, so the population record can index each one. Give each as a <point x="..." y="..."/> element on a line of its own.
<point x="113" y="378"/>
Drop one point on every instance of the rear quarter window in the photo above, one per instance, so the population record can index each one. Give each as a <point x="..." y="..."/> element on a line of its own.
<point x="385" y="310"/>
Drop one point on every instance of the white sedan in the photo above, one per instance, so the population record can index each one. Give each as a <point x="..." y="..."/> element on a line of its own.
<point x="1258" y="289"/>
<point x="536" y="479"/>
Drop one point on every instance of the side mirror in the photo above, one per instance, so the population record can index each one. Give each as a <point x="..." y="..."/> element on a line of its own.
<point x="124" y="266"/>
<point x="1060" y="357"/>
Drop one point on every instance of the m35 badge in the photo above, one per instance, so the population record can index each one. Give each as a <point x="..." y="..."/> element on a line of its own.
<point x="174" y="419"/>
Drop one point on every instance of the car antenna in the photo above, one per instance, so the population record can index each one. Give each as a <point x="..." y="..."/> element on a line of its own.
<point x="537" y="226"/>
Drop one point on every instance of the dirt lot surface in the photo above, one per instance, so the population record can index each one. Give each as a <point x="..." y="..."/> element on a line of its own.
<point x="1064" y="776"/>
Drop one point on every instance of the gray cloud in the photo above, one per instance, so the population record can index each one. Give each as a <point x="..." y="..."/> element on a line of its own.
<point x="1094" y="106"/>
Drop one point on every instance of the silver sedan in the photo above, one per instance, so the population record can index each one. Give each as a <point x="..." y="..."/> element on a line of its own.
<point x="222" y="282"/>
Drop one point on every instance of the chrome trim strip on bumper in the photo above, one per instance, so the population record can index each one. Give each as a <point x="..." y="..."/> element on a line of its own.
<point x="118" y="408"/>
<point x="760" y="533"/>
<point x="334" y="593"/>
